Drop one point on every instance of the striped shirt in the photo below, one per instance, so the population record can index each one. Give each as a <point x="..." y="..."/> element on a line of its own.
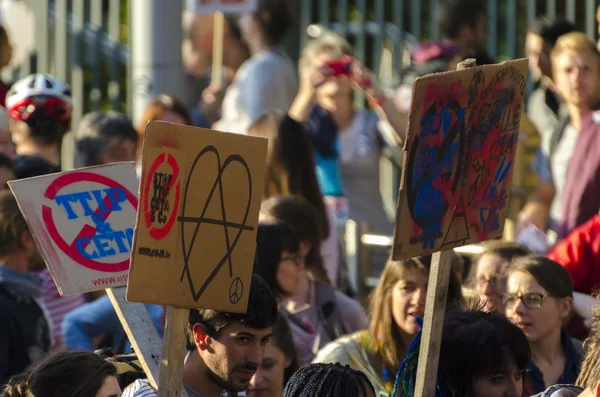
<point x="57" y="306"/>
<point x="142" y="388"/>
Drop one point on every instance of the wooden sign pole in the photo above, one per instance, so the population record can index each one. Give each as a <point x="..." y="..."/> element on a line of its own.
<point x="170" y="382"/>
<point x="433" y="323"/>
<point x="140" y="331"/>
<point x="435" y="310"/>
<point x="217" y="58"/>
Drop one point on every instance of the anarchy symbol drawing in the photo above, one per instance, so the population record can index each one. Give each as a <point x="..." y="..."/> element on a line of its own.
<point x="188" y="212"/>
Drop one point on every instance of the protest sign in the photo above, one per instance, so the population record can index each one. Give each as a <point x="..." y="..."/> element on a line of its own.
<point x="459" y="153"/>
<point x="225" y="6"/>
<point x="195" y="232"/>
<point x="82" y="222"/>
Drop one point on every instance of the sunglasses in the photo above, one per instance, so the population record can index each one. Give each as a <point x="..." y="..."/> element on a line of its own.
<point x="532" y="300"/>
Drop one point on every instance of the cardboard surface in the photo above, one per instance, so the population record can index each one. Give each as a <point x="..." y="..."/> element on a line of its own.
<point x="225" y="6"/>
<point x="195" y="232"/>
<point x="82" y="222"/>
<point x="459" y="154"/>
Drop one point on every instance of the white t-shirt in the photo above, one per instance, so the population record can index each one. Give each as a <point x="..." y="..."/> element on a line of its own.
<point x="142" y="388"/>
<point x="266" y="81"/>
<point x="559" y="164"/>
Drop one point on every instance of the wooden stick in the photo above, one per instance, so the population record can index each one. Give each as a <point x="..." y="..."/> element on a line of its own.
<point x="170" y="382"/>
<point x="433" y="323"/>
<point x="435" y="310"/>
<point x="140" y="331"/>
<point x="217" y="58"/>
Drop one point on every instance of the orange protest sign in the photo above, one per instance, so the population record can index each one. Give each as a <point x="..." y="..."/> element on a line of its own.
<point x="195" y="232"/>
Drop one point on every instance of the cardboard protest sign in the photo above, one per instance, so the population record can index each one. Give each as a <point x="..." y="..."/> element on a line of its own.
<point x="195" y="232"/>
<point x="225" y="6"/>
<point x="459" y="153"/>
<point x="82" y="222"/>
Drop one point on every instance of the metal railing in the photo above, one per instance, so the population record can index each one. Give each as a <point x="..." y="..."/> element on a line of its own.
<point x="358" y="244"/>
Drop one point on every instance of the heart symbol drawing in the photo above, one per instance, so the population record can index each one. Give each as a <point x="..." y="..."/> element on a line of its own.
<point x="187" y="216"/>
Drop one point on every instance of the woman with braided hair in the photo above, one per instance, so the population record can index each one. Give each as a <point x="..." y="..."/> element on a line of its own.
<point x="328" y="380"/>
<point x="67" y="374"/>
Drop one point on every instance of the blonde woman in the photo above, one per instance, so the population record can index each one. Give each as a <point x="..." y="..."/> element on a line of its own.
<point x="348" y="141"/>
<point x="394" y="307"/>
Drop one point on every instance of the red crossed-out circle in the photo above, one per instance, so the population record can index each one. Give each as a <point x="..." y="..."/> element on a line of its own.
<point x="87" y="230"/>
<point x="158" y="233"/>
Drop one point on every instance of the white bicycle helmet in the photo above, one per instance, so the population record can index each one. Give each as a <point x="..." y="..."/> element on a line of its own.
<point x="39" y="92"/>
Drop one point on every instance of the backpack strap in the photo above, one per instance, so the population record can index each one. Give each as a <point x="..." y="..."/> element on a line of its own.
<point x="328" y="311"/>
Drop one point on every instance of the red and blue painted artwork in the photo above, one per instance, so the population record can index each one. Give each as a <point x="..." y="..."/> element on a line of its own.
<point x="459" y="156"/>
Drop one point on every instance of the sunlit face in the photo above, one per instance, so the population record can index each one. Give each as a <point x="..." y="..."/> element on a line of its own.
<point x="110" y="388"/>
<point x="537" y="323"/>
<point x="268" y="381"/>
<point x="289" y="272"/>
<point x="508" y="384"/>
<point x="538" y="54"/>
<point x="490" y="281"/>
<point x="408" y="300"/>
<point x="249" y="27"/>
<point x="576" y="77"/>
<point x="235" y="355"/>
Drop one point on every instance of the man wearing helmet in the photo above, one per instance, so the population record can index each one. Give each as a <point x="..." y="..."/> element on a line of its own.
<point x="40" y="109"/>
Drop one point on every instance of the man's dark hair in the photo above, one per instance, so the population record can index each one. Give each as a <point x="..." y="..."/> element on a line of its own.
<point x="96" y="131"/>
<point x="276" y="19"/>
<point x="477" y="344"/>
<point x="454" y="14"/>
<point x="550" y="29"/>
<point x="12" y="224"/>
<point x="261" y="313"/>
<point x="27" y="166"/>
<point x="328" y="380"/>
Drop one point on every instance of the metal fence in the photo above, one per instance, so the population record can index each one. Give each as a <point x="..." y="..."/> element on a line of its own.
<point x="374" y="26"/>
<point x="86" y="42"/>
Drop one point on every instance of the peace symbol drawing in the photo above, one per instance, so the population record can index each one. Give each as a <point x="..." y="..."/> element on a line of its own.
<point x="232" y="219"/>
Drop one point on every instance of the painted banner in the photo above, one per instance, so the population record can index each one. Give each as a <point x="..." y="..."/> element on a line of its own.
<point x="459" y="154"/>
<point x="224" y="6"/>
<point x="82" y="222"/>
<point x="195" y="233"/>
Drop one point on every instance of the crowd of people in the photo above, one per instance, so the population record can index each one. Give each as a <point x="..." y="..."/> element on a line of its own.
<point x="520" y="320"/>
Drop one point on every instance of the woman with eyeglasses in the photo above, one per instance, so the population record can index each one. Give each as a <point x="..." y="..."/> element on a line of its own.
<point x="489" y="271"/>
<point x="288" y="258"/>
<point x="539" y="299"/>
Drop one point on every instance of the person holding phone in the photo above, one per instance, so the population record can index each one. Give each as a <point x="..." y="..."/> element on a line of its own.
<point x="348" y="141"/>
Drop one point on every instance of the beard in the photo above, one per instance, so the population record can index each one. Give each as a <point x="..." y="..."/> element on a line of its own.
<point x="225" y="380"/>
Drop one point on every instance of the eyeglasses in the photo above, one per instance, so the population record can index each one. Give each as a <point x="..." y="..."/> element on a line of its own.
<point x="532" y="300"/>
<point x="496" y="282"/>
